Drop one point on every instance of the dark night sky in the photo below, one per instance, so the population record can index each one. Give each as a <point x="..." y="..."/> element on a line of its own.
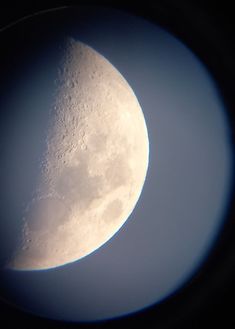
<point x="197" y="162"/>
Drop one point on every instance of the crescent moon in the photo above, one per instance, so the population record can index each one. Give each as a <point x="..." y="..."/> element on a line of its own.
<point x="94" y="165"/>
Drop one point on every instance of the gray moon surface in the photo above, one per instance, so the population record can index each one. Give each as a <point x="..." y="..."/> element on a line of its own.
<point x="182" y="207"/>
<point x="94" y="166"/>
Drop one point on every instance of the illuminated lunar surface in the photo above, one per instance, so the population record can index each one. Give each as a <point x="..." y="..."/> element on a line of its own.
<point x="94" y="166"/>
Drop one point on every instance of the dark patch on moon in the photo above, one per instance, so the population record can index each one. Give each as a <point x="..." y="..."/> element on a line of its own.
<point x="97" y="142"/>
<point x="112" y="211"/>
<point x="118" y="172"/>
<point x="77" y="186"/>
<point x="35" y="252"/>
<point x="41" y="215"/>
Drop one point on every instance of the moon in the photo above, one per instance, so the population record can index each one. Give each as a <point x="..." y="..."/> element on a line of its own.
<point x="94" y="165"/>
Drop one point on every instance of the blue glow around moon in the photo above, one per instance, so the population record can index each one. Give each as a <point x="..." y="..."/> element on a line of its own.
<point x="184" y="199"/>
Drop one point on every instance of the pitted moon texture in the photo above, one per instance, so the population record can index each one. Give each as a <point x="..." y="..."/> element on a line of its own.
<point x="94" y="165"/>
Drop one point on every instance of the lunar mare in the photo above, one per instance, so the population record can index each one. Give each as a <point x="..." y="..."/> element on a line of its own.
<point x="94" y="166"/>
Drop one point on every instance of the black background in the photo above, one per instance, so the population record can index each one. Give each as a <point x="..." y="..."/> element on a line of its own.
<point x="208" y="300"/>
